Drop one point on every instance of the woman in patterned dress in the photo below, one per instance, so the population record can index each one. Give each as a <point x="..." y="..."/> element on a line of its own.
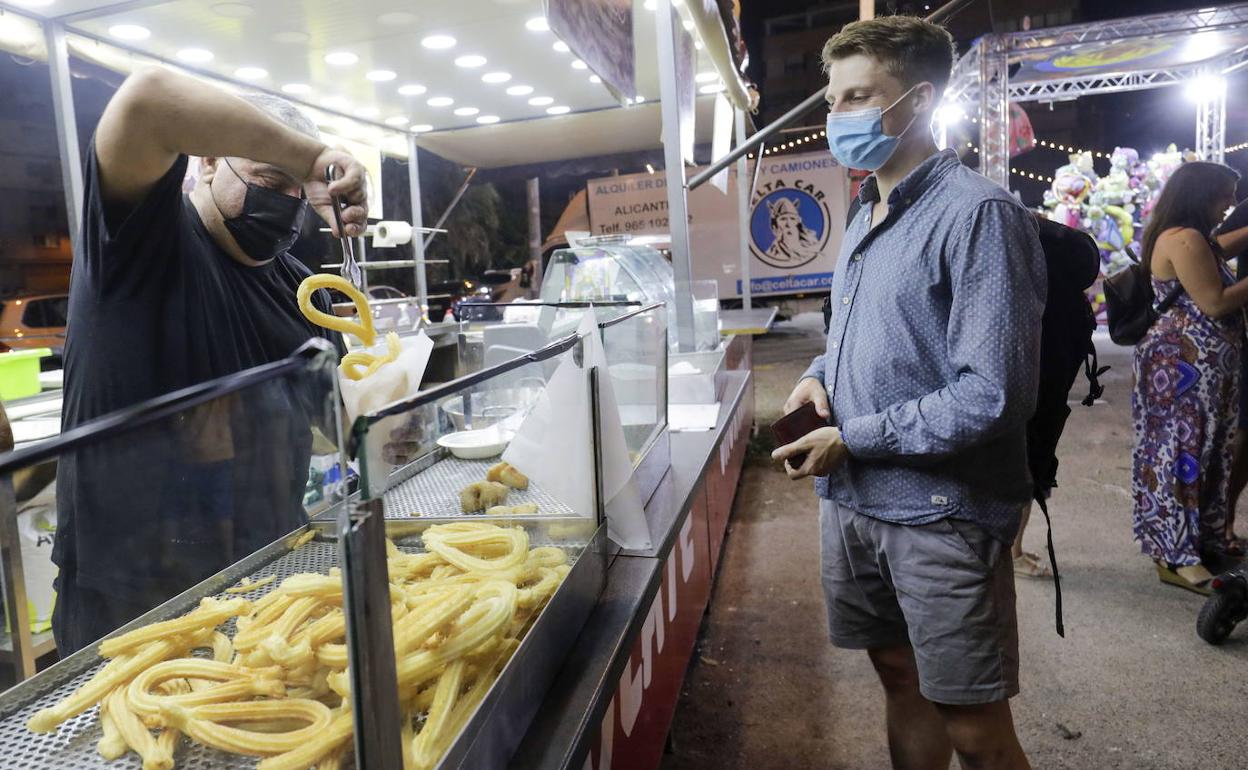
<point x="1185" y="402"/>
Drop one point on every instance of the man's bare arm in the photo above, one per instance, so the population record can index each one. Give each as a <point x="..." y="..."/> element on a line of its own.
<point x="157" y="115"/>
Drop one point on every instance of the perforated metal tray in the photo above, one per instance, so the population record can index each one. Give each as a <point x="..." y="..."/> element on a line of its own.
<point x="434" y="492"/>
<point x="73" y="745"/>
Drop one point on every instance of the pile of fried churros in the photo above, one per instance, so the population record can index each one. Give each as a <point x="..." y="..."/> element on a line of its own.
<point x="278" y="688"/>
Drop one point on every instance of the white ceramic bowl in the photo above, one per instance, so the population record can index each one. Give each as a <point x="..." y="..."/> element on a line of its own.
<point x="474" y="444"/>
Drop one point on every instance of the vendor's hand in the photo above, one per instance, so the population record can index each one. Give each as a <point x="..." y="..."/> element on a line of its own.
<point x="825" y="452"/>
<point x="350" y="187"/>
<point x="809" y="390"/>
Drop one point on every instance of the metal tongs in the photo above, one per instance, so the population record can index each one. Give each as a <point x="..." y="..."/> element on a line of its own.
<point x="350" y="268"/>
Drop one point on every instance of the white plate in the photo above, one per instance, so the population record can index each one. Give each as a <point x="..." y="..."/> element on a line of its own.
<point x="474" y="444"/>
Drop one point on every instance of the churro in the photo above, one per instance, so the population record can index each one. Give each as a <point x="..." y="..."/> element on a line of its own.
<point x="276" y="685"/>
<point x="507" y="474"/>
<point x="480" y="495"/>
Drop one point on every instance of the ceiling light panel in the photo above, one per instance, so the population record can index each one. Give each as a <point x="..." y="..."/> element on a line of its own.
<point x="386" y="64"/>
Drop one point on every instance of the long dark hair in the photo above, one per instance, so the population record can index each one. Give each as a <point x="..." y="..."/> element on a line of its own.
<point x="1185" y="201"/>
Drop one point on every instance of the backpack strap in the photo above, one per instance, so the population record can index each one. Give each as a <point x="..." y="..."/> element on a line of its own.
<point x="1038" y="494"/>
<point x="1093" y="371"/>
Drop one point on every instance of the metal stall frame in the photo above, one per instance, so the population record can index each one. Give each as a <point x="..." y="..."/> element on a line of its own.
<point x="979" y="74"/>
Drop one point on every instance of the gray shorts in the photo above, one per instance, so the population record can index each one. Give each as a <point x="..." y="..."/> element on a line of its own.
<point x="945" y="588"/>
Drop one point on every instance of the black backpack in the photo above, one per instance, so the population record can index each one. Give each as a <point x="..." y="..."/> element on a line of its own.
<point x="1073" y="262"/>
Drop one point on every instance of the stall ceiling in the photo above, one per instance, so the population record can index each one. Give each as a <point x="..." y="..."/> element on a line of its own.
<point x="375" y="60"/>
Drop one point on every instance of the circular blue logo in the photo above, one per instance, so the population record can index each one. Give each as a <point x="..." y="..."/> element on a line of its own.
<point x="788" y="227"/>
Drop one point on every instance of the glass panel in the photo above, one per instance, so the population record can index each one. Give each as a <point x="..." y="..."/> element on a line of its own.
<point x="636" y="356"/>
<point x="459" y="431"/>
<point x="34" y="232"/>
<point x="153" y="510"/>
<point x="705" y="314"/>
<point x="479" y="551"/>
<point x="610" y="270"/>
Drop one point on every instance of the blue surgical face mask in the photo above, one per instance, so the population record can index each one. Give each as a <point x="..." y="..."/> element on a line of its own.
<point x="857" y="138"/>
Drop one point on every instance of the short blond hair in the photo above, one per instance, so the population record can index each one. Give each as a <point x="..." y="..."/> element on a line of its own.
<point x="911" y="49"/>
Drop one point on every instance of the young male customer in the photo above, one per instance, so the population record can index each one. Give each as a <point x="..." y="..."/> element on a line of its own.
<point x="928" y="380"/>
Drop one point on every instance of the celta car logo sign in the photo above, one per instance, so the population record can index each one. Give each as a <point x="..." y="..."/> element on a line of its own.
<point x="788" y="223"/>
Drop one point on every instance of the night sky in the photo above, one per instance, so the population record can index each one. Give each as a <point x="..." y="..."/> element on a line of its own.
<point x="1146" y="120"/>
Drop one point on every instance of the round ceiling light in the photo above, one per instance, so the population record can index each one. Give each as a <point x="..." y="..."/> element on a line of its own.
<point x="397" y="120"/>
<point x="561" y="46"/>
<point x="466" y="112"/>
<point x="129" y="32"/>
<point x="706" y="77"/>
<point x="33" y="3"/>
<point x="537" y="24"/>
<point x="541" y="101"/>
<point x="486" y="120"/>
<point x="420" y="128"/>
<point x="577" y="64"/>
<point x="519" y="90"/>
<point x="195" y="55"/>
<point x="251" y="73"/>
<point x="438" y="42"/>
<point x="412" y="89"/>
<point x="381" y="76"/>
<point x="496" y="77"/>
<point x="335" y="103"/>
<point x="595" y="79"/>
<point x="713" y="88"/>
<point x="440" y="101"/>
<point x="470" y="61"/>
<point x="562" y="109"/>
<point x="296" y="89"/>
<point x="341" y="58"/>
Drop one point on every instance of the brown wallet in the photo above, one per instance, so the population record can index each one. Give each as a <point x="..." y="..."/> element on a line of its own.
<point x="794" y="425"/>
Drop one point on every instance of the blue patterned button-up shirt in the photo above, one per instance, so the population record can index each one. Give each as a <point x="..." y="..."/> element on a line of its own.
<point x="932" y="358"/>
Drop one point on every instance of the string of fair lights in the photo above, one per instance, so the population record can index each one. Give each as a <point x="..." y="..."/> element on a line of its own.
<point x="815" y="136"/>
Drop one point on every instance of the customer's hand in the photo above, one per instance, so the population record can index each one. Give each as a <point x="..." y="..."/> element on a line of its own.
<point x="350" y="186"/>
<point x="825" y="452"/>
<point x="809" y="390"/>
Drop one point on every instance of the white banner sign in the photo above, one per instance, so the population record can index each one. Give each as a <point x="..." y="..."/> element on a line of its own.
<point x="797" y="217"/>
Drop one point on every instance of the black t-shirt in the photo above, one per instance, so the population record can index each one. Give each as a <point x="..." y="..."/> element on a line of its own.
<point x="156" y="305"/>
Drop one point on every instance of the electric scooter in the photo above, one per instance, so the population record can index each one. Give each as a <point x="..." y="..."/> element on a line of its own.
<point x="1226" y="607"/>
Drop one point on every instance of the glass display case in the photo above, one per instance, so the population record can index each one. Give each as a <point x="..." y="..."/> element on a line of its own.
<point x="608" y="268"/>
<point x="281" y="618"/>
<point x="182" y="510"/>
<point x="495" y="517"/>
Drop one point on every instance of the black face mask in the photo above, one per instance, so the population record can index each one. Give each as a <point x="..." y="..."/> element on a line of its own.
<point x="269" y="223"/>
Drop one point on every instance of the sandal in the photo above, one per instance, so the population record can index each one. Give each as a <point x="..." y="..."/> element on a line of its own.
<point x="1170" y="576"/>
<point x="1028" y="565"/>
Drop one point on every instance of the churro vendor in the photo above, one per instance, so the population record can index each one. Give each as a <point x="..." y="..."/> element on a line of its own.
<point x="169" y="290"/>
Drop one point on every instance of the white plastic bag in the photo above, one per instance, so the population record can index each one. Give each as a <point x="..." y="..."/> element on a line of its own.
<point x="396" y="380"/>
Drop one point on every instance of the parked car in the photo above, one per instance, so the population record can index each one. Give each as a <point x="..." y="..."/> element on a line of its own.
<point x="35" y="321"/>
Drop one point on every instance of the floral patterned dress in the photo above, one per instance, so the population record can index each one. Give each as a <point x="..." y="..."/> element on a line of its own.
<point x="1185" y="406"/>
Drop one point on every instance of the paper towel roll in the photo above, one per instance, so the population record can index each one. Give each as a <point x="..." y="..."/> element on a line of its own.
<point x="389" y="234"/>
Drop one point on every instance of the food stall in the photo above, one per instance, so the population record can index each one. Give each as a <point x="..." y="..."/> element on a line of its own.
<point x="532" y="602"/>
